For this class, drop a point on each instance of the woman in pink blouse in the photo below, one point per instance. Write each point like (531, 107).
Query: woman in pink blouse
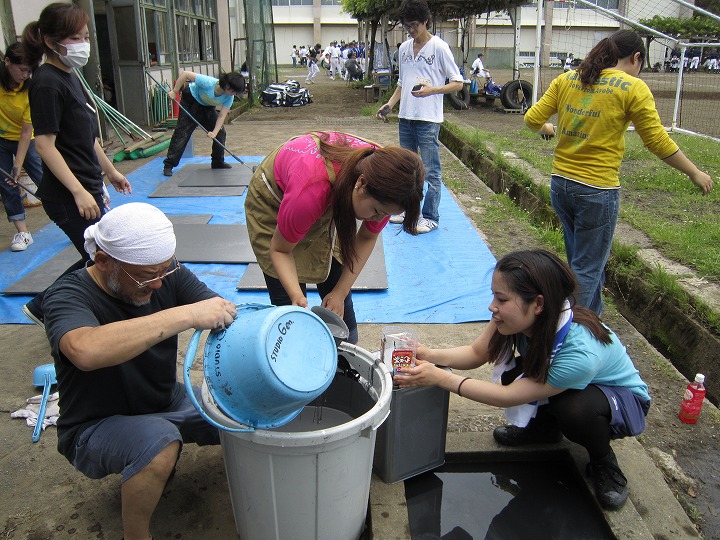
(303, 207)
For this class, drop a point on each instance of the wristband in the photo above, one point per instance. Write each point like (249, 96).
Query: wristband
(460, 385)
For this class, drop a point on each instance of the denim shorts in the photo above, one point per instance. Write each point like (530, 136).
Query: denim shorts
(126, 444)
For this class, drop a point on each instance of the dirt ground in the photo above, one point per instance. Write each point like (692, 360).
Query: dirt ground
(694, 448)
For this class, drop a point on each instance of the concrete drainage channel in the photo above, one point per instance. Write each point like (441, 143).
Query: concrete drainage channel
(690, 346)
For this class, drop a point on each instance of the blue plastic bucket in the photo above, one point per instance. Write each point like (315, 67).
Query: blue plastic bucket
(266, 366)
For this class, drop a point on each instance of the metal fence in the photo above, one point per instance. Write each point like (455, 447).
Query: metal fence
(681, 74)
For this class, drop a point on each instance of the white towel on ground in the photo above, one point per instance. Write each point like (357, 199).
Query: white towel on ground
(30, 413)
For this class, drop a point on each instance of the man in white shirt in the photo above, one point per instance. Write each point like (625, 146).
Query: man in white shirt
(334, 60)
(478, 68)
(426, 61)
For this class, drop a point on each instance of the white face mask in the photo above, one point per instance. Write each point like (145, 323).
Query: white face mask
(77, 54)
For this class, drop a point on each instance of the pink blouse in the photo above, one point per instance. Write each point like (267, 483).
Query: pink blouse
(301, 174)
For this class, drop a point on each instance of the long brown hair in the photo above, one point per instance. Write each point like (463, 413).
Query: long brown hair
(538, 272)
(56, 22)
(393, 175)
(607, 52)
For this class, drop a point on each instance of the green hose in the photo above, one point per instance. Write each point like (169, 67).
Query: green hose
(150, 151)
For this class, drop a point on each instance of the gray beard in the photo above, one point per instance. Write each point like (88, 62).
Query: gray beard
(113, 285)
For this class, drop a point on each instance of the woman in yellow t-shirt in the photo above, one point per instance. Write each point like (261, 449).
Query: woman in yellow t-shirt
(17, 148)
(595, 104)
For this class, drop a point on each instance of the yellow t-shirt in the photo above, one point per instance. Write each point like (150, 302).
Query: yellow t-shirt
(592, 122)
(14, 111)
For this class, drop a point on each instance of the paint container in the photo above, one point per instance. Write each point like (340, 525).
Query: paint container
(412, 439)
(398, 346)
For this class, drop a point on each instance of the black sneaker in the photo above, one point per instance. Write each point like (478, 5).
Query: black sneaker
(167, 171)
(610, 483)
(222, 165)
(516, 436)
(34, 315)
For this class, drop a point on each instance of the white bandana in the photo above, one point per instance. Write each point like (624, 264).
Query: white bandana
(133, 233)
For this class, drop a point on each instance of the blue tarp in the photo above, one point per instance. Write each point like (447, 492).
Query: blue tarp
(440, 277)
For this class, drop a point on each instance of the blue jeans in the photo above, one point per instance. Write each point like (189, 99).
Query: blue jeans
(422, 137)
(206, 116)
(588, 216)
(33, 166)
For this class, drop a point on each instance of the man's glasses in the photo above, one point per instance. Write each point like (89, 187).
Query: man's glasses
(410, 26)
(141, 284)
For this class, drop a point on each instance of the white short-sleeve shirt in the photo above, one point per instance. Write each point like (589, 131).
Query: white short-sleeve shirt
(432, 65)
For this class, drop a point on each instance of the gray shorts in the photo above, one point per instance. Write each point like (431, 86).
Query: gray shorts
(126, 444)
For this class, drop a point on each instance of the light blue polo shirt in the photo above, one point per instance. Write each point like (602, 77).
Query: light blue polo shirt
(203, 90)
(584, 360)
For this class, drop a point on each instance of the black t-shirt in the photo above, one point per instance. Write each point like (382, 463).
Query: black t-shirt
(140, 386)
(58, 106)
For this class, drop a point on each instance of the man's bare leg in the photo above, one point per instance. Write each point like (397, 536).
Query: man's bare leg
(141, 493)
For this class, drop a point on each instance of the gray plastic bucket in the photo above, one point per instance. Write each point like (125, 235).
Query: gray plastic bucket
(310, 479)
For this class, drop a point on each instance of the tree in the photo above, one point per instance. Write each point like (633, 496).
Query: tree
(695, 28)
(458, 9)
(713, 6)
(372, 11)
(699, 28)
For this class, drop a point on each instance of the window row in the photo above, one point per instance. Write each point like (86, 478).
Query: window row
(196, 39)
(202, 8)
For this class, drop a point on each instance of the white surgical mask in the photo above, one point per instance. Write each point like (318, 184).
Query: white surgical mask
(77, 54)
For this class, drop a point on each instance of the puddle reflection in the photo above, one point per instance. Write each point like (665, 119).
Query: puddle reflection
(503, 501)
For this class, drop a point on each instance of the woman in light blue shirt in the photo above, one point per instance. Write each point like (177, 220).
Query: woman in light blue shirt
(571, 375)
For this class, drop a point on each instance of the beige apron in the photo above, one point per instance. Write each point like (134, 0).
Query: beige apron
(313, 254)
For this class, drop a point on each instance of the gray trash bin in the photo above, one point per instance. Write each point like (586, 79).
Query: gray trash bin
(310, 479)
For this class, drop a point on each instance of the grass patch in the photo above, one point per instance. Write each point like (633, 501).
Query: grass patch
(454, 177)
(553, 237)
(665, 368)
(690, 509)
(656, 199)
(664, 204)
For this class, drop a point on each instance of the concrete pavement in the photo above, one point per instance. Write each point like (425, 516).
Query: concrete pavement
(42, 497)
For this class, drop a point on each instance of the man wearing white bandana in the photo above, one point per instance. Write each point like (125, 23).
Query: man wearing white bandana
(572, 376)
(113, 330)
